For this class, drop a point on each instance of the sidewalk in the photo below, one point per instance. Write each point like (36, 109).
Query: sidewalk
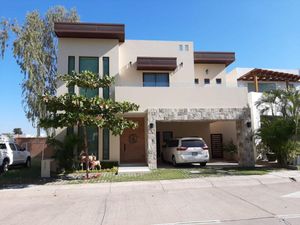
(177, 184)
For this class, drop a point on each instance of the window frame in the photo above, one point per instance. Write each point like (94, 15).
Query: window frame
(206, 79)
(156, 75)
(218, 80)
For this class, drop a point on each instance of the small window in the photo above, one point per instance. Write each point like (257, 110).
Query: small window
(196, 81)
(206, 81)
(2, 146)
(219, 81)
(180, 47)
(13, 147)
(186, 48)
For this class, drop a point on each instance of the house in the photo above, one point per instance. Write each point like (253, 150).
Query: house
(258, 81)
(180, 91)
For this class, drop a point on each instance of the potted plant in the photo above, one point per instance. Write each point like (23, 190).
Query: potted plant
(230, 150)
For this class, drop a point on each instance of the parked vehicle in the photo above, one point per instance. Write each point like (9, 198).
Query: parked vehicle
(186, 150)
(13, 154)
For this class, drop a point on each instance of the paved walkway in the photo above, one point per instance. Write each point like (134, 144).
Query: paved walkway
(267, 199)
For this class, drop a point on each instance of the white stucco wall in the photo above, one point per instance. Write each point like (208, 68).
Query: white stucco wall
(131, 49)
(87, 47)
(214, 71)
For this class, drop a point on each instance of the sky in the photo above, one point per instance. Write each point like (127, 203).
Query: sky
(262, 33)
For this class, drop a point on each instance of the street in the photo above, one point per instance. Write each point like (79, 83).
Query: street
(267, 199)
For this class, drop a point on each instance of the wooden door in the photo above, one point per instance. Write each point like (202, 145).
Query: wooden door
(132, 143)
(216, 145)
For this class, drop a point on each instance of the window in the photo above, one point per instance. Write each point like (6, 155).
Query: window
(71, 69)
(90, 64)
(2, 146)
(156, 80)
(196, 81)
(92, 136)
(180, 47)
(106, 144)
(219, 81)
(106, 73)
(206, 81)
(13, 147)
(262, 87)
(186, 47)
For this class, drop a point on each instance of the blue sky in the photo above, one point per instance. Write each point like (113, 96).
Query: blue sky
(263, 33)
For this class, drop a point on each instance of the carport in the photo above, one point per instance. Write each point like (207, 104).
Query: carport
(215, 133)
(213, 125)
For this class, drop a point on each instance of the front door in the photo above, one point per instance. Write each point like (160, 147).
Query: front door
(216, 146)
(132, 143)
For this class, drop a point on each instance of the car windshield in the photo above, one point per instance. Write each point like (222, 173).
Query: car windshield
(192, 143)
(2, 146)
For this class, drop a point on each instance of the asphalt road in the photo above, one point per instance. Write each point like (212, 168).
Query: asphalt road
(269, 199)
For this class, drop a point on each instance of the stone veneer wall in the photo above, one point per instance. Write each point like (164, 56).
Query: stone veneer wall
(240, 115)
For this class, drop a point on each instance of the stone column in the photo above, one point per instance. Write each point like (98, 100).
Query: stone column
(151, 140)
(245, 144)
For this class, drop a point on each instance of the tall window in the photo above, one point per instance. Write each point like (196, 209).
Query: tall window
(71, 68)
(105, 96)
(156, 80)
(90, 64)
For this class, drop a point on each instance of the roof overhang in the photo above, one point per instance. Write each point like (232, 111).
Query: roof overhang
(90, 30)
(157, 63)
(214, 57)
(269, 75)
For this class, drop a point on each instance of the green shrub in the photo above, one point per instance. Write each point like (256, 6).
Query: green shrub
(64, 151)
(109, 164)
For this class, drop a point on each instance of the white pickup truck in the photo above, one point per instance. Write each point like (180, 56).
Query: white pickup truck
(12, 154)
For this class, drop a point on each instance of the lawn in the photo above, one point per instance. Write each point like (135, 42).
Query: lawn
(25, 176)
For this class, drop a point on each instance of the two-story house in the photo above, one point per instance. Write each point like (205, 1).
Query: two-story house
(180, 91)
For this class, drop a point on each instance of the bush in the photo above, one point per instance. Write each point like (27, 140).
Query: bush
(276, 133)
(64, 151)
(109, 164)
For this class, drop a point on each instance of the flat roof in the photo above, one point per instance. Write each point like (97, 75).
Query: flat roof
(214, 57)
(90, 30)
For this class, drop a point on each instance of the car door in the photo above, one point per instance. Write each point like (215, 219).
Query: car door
(21, 154)
(16, 155)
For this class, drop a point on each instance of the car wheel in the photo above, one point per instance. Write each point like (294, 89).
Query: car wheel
(174, 163)
(203, 164)
(28, 163)
(4, 166)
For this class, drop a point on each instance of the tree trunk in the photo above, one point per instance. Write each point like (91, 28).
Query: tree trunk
(85, 147)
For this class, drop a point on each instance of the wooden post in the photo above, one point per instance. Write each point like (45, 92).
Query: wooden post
(256, 83)
(287, 84)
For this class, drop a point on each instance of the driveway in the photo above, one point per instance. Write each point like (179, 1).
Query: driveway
(268, 199)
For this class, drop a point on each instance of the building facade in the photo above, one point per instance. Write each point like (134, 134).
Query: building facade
(180, 91)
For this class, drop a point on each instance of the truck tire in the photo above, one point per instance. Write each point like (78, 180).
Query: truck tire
(28, 163)
(4, 167)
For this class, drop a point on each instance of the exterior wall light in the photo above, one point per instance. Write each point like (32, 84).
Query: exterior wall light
(151, 125)
(248, 124)
(206, 71)
(181, 64)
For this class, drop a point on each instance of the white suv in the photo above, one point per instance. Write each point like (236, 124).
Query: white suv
(12, 154)
(186, 150)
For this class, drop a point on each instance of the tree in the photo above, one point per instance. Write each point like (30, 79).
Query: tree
(71, 110)
(17, 131)
(35, 50)
(280, 131)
